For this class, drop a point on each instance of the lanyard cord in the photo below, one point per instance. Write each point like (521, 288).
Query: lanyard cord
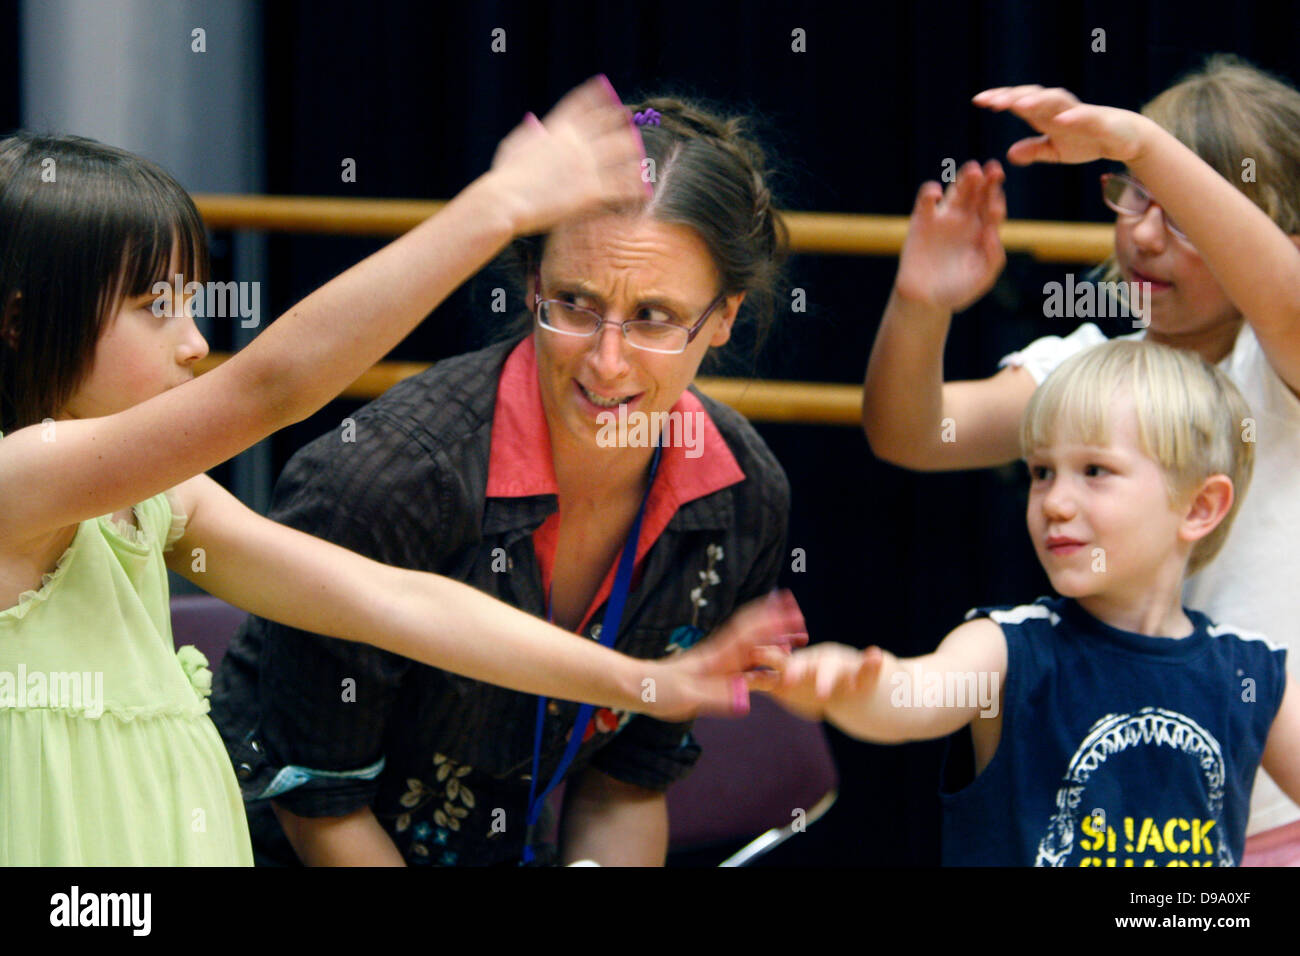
(608, 631)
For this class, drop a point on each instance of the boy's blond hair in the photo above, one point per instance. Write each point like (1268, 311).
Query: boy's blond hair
(1191, 418)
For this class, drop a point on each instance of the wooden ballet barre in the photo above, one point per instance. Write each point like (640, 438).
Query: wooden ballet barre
(820, 233)
(801, 403)
(804, 403)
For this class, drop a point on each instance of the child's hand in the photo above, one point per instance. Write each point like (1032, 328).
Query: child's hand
(586, 154)
(713, 676)
(1072, 132)
(815, 675)
(952, 253)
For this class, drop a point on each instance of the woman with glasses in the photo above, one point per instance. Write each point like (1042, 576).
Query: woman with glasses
(1208, 220)
(497, 468)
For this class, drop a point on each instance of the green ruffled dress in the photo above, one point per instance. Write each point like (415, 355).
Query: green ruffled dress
(107, 755)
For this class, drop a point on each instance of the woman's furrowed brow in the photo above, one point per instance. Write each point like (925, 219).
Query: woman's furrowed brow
(583, 288)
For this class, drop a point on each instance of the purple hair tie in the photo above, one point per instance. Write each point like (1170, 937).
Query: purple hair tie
(646, 118)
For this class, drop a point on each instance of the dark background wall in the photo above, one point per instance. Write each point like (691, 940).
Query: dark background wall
(9, 89)
(413, 92)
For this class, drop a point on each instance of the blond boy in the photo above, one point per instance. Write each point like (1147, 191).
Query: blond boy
(1111, 726)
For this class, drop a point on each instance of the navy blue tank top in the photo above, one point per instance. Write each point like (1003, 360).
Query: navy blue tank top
(1118, 749)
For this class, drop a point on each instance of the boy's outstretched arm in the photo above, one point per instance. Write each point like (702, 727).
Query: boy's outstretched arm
(875, 696)
(950, 259)
(1282, 752)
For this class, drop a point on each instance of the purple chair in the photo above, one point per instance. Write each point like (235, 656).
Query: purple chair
(753, 776)
(207, 622)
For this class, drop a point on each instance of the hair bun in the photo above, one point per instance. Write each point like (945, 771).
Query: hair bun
(709, 174)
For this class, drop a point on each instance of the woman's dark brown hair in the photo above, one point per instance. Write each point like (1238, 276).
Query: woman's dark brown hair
(710, 174)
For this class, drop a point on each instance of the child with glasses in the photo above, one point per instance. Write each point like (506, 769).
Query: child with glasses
(1111, 726)
(1208, 213)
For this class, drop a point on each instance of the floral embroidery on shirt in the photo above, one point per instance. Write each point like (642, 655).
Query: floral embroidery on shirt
(605, 721)
(437, 836)
(708, 578)
(453, 794)
(683, 639)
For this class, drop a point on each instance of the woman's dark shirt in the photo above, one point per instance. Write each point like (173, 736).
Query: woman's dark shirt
(328, 726)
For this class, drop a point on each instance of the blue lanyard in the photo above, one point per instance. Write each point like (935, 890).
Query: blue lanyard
(608, 631)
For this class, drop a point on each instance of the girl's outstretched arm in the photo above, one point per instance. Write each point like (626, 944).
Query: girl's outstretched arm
(1256, 263)
(296, 579)
(585, 156)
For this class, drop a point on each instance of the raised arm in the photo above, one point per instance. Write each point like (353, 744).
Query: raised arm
(913, 418)
(585, 156)
(875, 696)
(1256, 263)
(950, 259)
(302, 581)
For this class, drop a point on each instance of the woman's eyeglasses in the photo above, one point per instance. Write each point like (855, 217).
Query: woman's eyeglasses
(661, 334)
(1126, 195)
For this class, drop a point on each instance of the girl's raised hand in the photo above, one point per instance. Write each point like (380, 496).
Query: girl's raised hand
(1072, 132)
(952, 254)
(816, 674)
(585, 155)
(714, 676)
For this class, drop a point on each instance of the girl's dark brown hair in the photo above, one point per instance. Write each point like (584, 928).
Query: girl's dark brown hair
(83, 226)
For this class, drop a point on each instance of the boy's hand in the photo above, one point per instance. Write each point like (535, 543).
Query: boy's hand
(584, 156)
(814, 676)
(952, 253)
(1072, 132)
(714, 676)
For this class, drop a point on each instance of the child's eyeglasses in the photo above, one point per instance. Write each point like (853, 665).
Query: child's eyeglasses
(1126, 195)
